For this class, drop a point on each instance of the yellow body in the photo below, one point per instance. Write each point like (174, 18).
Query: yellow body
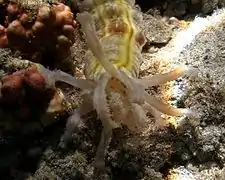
(119, 36)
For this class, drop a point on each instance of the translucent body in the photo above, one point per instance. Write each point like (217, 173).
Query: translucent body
(112, 68)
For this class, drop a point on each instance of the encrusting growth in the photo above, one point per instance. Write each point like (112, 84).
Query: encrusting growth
(38, 29)
(112, 68)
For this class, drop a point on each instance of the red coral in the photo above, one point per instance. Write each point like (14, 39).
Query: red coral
(12, 88)
(15, 85)
(3, 37)
(13, 9)
(34, 79)
(23, 92)
(48, 29)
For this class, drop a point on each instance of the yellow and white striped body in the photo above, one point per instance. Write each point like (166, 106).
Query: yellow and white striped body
(116, 24)
(112, 69)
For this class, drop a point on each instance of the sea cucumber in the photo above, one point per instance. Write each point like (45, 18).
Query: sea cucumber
(112, 66)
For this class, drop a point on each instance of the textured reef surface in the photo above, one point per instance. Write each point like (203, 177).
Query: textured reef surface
(180, 148)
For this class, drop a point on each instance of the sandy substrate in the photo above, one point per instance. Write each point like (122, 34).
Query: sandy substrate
(193, 150)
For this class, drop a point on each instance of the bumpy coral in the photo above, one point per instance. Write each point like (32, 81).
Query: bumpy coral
(38, 29)
(3, 37)
(27, 96)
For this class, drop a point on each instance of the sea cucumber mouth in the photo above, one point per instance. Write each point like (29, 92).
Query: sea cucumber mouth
(116, 85)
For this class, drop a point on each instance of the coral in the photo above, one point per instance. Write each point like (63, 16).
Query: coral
(13, 85)
(25, 95)
(35, 80)
(3, 36)
(11, 89)
(38, 30)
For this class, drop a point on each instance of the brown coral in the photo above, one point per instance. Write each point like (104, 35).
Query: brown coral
(13, 85)
(11, 89)
(26, 97)
(3, 37)
(39, 30)
(21, 89)
(35, 79)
